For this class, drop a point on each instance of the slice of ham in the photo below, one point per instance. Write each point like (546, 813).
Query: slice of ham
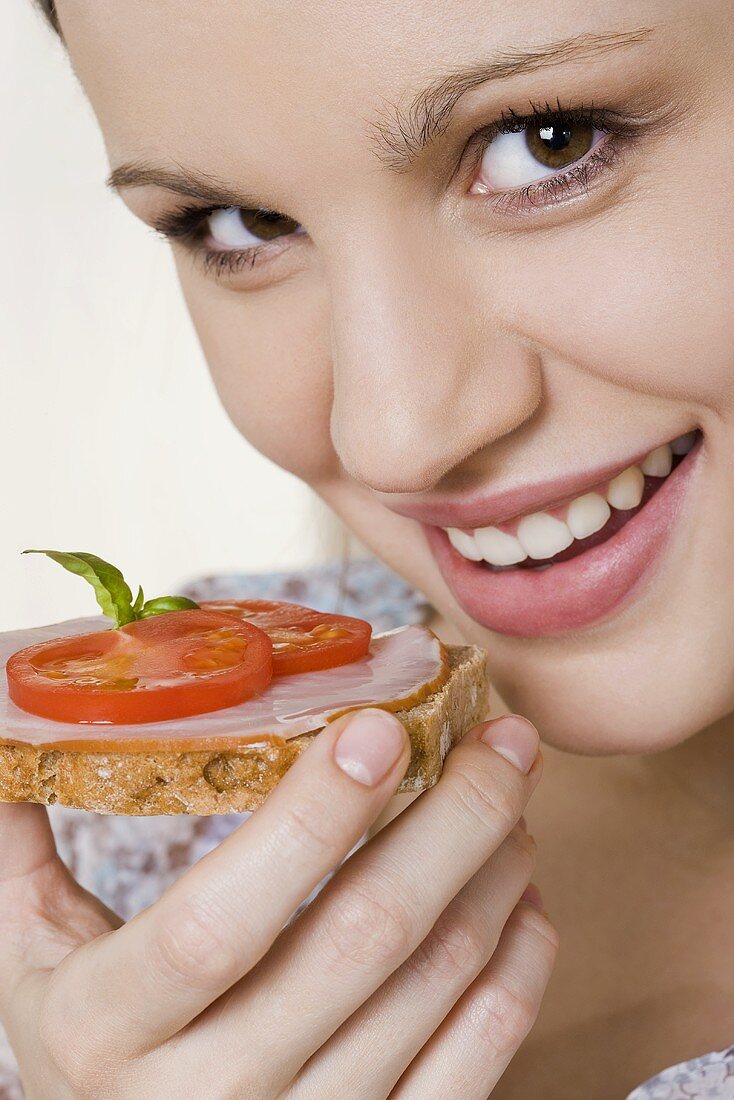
(402, 668)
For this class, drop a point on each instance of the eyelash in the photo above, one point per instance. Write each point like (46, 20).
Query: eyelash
(577, 178)
(187, 225)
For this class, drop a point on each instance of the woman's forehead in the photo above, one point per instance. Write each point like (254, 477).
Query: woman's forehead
(205, 75)
(201, 52)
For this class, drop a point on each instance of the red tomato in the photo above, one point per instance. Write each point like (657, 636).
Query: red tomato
(169, 666)
(303, 640)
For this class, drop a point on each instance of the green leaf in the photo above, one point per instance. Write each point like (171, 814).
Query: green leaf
(113, 594)
(162, 604)
(139, 601)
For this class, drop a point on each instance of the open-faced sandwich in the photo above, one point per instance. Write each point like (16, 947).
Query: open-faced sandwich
(165, 706)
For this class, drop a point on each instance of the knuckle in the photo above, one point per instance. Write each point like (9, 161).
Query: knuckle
(502, 1018)
(453, 949)
(198, 948)
(308, 828)
(486, 798)
(362, 930)
(537, 925)
(523, 853)
(73, 1051)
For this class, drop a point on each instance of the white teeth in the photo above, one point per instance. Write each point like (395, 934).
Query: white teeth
(683, 444)
(498, 547)
(587, 515)
(625, 491)
(542, 535)
(659, 462)
(463, 543)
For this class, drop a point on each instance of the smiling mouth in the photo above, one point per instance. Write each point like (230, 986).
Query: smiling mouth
(577, 561)
(540, 539)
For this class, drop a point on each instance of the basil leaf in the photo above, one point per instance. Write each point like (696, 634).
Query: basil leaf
(111, 590)
(113, 594)
(161, 604)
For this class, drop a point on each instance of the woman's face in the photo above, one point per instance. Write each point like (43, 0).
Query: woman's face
(470, 264)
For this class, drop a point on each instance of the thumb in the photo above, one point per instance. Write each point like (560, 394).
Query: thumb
(27, 853)
(26, 841)
(44, 913)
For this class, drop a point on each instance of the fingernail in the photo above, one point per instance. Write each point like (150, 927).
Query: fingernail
(514, 738)
(533, 896)
(370, 746)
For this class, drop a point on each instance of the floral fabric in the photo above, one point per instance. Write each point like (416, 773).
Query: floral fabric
(708, 1078)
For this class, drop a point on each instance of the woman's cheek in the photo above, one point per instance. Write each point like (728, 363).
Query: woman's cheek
(269, 356)
(639, 296)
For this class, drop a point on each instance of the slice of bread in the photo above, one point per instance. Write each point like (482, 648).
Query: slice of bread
(211, 782)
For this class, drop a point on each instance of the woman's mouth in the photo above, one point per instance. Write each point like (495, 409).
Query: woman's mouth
(576, 560)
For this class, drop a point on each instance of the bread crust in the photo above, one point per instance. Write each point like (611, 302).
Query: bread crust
(211, 782)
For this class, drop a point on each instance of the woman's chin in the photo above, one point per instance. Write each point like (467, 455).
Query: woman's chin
(610, 703)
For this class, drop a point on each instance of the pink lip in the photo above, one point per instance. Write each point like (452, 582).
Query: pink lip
(571, 594)
(484, 510)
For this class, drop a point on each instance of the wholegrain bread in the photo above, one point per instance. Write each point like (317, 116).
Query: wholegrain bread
(212, 782)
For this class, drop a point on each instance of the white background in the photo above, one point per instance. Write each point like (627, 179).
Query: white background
(112, 439)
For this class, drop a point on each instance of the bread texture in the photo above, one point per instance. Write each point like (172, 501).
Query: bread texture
(211, 782)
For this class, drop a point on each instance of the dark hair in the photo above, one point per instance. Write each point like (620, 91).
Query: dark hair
(48, 7)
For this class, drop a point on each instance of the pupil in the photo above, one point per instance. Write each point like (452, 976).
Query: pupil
(555, 137)
(267, 224)
(270, 216)
(557, 144)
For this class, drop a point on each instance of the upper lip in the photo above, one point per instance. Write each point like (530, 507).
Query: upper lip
(483, 508)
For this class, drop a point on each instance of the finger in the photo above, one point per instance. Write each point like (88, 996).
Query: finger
(44, 913)
(403, 1014)
(213, 925)
(468, 1054)
(381, 904)
(26, 840)
(27, 848)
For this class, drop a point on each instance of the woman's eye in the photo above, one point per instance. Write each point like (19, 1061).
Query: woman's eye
(235, 228)
(534, 152)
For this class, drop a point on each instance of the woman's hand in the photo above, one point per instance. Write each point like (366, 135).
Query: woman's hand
(416, 973)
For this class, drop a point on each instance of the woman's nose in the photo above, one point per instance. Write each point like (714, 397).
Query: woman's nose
(425, 373)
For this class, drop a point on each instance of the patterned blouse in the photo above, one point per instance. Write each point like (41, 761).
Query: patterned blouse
(128, 862)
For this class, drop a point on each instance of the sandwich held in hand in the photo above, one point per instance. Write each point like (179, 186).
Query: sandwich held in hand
(157, 665)
(181, 708)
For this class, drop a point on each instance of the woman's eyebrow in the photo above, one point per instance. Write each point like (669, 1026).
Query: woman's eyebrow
(401, 134)
(182, 181)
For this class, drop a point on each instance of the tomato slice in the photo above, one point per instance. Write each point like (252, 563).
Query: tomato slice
(303, 640)
(169, 666)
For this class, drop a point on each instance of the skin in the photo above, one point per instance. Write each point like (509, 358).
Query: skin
(487, 380)
(203, 994)
(415, 341)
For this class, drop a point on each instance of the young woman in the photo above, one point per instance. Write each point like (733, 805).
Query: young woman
(466, 269)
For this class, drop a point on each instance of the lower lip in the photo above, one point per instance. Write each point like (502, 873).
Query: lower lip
(571, 594)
